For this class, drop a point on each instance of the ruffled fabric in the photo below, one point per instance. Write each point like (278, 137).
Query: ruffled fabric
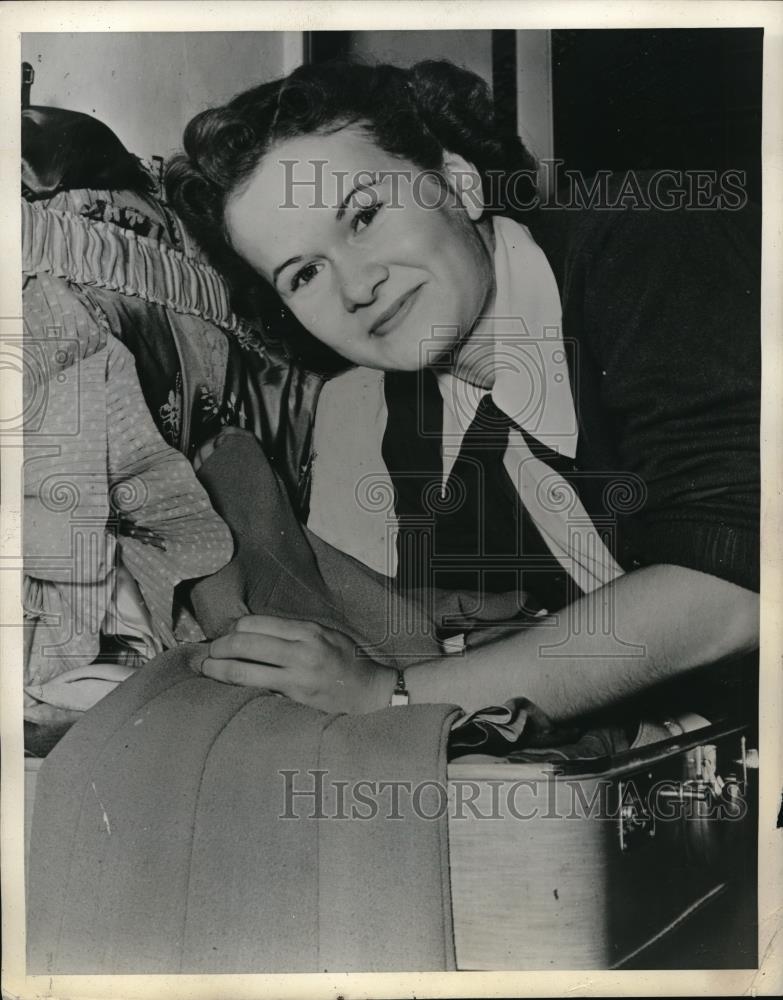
(91, 252)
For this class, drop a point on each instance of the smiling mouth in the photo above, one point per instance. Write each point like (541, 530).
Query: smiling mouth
(394, 315)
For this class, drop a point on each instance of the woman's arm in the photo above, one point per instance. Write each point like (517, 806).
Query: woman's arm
(648, 626)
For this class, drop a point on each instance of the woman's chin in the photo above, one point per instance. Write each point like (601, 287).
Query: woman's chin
(419, 352)
(405, 364)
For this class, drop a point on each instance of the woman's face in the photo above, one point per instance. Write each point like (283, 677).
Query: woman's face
(377, 259)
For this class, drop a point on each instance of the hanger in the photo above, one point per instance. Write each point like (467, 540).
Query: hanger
(28, 76)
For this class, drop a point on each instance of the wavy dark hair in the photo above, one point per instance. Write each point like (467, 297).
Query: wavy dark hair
(414, 113)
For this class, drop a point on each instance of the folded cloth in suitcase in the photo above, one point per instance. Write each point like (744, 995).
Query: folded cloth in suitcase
(518, 725)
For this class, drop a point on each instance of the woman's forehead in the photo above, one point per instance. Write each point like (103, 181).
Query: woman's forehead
(319, 171)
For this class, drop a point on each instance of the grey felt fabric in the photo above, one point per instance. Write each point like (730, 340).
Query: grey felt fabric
(158, 844)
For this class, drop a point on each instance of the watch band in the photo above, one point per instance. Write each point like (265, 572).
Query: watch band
(400, 694)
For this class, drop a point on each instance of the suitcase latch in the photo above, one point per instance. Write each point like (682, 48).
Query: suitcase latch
(700, 795)
(635, 821)
(701, 781)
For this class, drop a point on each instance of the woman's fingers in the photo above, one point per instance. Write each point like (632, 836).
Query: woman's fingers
(245, 674)
(257, 647)
(264, 651)
(292, 629)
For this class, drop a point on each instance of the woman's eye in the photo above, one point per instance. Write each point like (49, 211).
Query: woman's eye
(364, 217)
(303, 276)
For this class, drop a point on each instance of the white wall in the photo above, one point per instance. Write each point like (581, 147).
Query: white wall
(147, 86)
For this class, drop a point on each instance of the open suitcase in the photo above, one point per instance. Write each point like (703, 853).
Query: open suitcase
(642, 860)
(646, 859)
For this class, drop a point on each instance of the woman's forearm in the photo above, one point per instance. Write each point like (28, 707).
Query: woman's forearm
(647, 626)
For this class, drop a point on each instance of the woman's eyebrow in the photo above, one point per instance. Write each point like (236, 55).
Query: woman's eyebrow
(283, 266)
(363, 186)
(357, 187)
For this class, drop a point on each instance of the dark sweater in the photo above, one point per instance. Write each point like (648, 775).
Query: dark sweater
(662, 321)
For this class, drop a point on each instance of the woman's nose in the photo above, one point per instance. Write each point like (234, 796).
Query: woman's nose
(360, 281)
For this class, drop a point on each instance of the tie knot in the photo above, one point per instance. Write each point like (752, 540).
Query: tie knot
(490, 418)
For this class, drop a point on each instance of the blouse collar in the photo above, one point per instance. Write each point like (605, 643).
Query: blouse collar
(522, 330)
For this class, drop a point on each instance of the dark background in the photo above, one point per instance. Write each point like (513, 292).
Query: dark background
(682, 99)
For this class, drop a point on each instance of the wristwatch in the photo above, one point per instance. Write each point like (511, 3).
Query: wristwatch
(400, 694)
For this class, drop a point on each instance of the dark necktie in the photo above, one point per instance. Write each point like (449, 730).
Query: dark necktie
(475, 535)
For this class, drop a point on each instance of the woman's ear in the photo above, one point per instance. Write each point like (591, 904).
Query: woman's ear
(466, 181)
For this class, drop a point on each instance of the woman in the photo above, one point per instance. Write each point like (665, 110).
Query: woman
(376, 203)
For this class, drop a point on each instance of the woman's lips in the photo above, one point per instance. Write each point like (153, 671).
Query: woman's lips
(394, 315)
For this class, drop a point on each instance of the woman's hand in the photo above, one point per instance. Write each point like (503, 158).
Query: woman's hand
(306, 662)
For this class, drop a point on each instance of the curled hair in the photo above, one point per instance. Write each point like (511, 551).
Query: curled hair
(415, 114)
